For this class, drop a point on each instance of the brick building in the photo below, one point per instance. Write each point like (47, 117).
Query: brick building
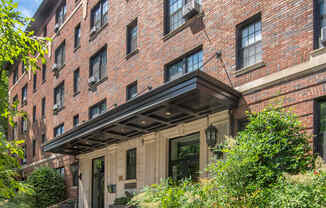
(131, 87)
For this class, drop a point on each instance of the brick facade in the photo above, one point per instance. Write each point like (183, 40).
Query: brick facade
(287, 41)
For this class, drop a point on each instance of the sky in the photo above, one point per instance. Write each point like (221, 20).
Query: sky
(28, 7)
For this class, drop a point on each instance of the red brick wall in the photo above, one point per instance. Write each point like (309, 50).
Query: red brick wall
(287, 38)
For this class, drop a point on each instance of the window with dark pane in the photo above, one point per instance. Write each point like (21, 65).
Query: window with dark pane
(34, 81)
(61, 171)
(132, 36)
(43, 72)
(23, 68)
(320, 140)
(132, 91)
(77, 36)
(174, 18)
(184, 65)
(24, 94)
(97, 109)
(60, 55)
(98, 65)
(45, 31)
(99, 14)
(76, 81)
(59, 130)
(34, 147)
(74, 172)
(59, 95)
(15, 76)
(76, 120)
(184, 157)
(24, 160)
(61, 13)
(43, 138)
(43, 107)
(250, 43)
(320, 21)
(131, 164)
(98, 184)
(34, 113)
(15, 102)
(23, 125)
(242, 124)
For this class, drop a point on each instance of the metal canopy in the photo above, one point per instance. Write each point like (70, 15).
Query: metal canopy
(188, 98)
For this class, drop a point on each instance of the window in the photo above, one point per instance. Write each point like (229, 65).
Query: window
(76, 81)
(131, 90)
(34, 113)
(34, 82)
(23, 125)
(45, 31)
(24, 95)
(249, 42)
(320, 21)
(43, 107)
(98, 187)
(23, 68)
(131, 164)
(43, 72)
(173, 14)
(34, 147)
(14, 131)
(97, 109)
(15, 102)
(43, 138)
(61, 171)
(242, 124)
(15, 76)
(61, 13)
(77, 37)
(98, 65)
(184, 65)
(320, 128)
(76, 120)
(60, 55)
(59, 95)
(58, 131)
(184, 157)
(132, 37)
(24, 160)
(99, 14)
(74, 172)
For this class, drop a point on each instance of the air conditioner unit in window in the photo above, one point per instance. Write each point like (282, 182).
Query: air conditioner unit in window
(323, 36)
(25, 100)
(91, 80)
(56, 27)
(56, 107)
(55, 67)
(190, 9)
(93, 30)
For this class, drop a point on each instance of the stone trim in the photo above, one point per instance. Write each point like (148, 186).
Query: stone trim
(249, 68)
(317, 62)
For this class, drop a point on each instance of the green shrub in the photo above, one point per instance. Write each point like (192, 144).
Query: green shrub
(48, 185)
(257, 171)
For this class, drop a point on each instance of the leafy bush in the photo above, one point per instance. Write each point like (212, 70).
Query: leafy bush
(252, 175)
(19, 201)
(48, 185)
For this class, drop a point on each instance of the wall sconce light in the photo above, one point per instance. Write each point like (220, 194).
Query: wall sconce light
(211, 134)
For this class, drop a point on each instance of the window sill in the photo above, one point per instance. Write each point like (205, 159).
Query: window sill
(93, 36)
(181, 27)
(318, 52)
(93, 86)
(249, 68)
(76, 49)
(57, 71)
(134, 52)
(76, 93)
(131, 181)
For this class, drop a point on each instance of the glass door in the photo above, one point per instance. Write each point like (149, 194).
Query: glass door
(98, 169)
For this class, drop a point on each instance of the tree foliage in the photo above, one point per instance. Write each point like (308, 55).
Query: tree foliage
(269, 164)
(48, 185)
(16, 45)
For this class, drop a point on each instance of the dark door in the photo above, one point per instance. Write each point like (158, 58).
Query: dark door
(98, 183)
